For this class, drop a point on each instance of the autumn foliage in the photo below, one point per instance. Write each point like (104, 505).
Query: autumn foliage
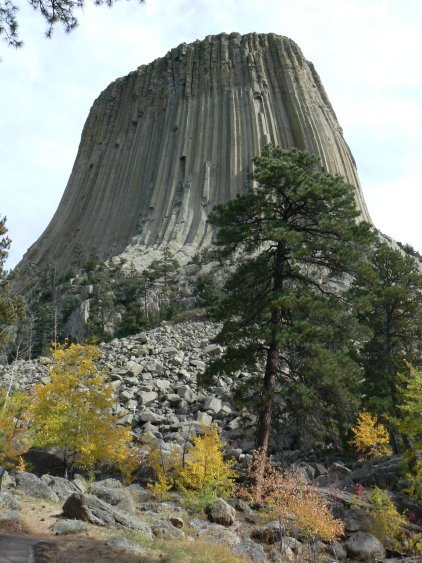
(14, 422)
(370, 438)
(73, 411)
(284, 494)
(203, 471)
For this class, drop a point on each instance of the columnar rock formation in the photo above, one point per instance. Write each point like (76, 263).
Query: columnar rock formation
(166, 143)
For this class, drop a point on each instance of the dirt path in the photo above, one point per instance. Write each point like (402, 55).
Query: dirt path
(16, 549)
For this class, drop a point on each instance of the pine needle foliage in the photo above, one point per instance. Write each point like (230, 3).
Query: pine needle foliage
(388, 303)
(293, 240)
(410, 404)
(73, 411)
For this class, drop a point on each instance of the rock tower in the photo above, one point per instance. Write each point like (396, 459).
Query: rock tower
(166, 143)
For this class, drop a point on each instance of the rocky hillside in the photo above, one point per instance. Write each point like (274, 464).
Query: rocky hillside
(155, 379)
(154, 375)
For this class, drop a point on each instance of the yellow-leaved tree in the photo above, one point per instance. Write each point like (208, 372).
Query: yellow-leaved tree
(73, 412)
(14, 432)
(205, 471)
(201, 472)
(370, 438)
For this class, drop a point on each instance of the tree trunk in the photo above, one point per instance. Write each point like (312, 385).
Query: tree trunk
(271, 367)
(265, 416)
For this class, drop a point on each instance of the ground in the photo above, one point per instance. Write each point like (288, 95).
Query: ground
(38, 518)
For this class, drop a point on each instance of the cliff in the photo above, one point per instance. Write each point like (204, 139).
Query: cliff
(166, 143)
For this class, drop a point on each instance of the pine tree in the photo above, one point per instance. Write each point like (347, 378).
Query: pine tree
(388, 300)
(292, 240)
(11, 307)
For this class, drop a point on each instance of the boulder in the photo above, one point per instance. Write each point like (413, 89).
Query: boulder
(362, 546)
(213, 404)
(220, 512)
(61, 486)
(8, 501)
(166, 531)
(134, 369)
(214, 533)
(91, 509)
(118, 497)
(213, 350)
(250, 550)
(269, 534)
(34, 487)
(359, 520)
(67, 527)
(118, 542)
(147, 397)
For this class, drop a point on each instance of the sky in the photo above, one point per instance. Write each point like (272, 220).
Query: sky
(367, 53)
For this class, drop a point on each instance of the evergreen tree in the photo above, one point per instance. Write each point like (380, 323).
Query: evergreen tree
(292, 240)
(388, 300)
(102, 304)
(11, 307)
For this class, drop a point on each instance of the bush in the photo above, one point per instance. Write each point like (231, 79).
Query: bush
(389, 522)
(283, 494)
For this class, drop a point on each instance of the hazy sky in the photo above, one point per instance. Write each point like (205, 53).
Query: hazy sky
(367, 52)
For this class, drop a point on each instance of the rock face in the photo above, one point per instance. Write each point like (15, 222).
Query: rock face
(166, 143)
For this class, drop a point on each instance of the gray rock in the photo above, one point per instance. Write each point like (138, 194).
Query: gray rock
(162, 384)
(62, 487)
(8, 501)
(126, 395)
(170, 350)
(147, 397)
(165, 530)
(124, 544)
(359, 520)
(198, 364)
(250, 549)
(305, 470)
(34, 487)
(134, 369)
(269, 534)
(220, 512)
(213, 350)
(186, 393)
(213, 404)
(148, 415)
(204, 419)
(91, 509)
(363, 546)
(67, 527)
(118, 497)
(154, 367)
(214, 533)
(8, 517)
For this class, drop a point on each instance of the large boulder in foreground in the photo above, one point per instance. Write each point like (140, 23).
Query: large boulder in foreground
(89, 508)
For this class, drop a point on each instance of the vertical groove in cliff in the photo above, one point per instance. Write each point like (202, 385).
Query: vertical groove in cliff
(172, 139)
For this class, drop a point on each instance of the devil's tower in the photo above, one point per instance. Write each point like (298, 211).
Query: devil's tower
(166, 143)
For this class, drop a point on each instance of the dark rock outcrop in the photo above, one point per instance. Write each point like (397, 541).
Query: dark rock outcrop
(166, 143)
